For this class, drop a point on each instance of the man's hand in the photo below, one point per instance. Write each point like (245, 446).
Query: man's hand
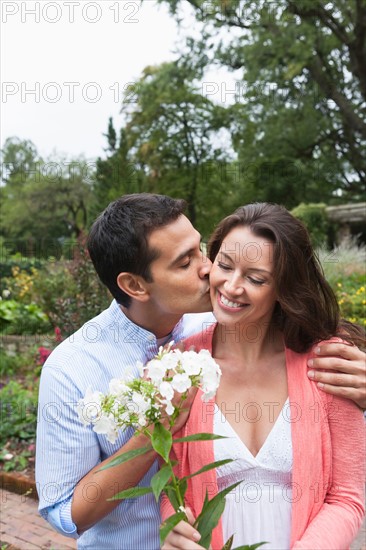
(345, 371)
(183, 536)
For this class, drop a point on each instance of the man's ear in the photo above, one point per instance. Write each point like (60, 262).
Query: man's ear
(133, 285)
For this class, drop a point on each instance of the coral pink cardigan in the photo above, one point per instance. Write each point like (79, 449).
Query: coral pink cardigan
(328, 438)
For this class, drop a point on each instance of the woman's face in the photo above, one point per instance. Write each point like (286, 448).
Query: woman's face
(242, 285)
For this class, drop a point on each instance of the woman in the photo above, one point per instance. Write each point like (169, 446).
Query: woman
(298, 452)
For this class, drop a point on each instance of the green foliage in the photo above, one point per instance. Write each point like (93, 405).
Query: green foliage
(167, 143)
(18, 318)
(297, 115)
(351, 295)
(42, 200)
(345, 270)
(18, 412)
(69, 291)
(315, 219)
(17, 461)
(117, 174)
(10, 261)
(14, 363)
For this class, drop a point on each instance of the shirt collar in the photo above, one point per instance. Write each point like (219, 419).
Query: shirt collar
(134, 334)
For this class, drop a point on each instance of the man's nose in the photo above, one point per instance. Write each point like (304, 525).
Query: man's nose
(205, 267)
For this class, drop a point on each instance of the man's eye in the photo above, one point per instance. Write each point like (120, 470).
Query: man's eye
(185, 266)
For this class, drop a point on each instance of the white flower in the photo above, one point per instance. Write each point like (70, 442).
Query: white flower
(142, 421)
(169, 407)
(133, 401)
(106, 425)
(191, 363)
(8, 456)
(156, 370)
(89, 408)
(170, 360)
(131, 372)
(118, 387)
(210, 375)
(181, 382)
(166, 390)
(138, 403)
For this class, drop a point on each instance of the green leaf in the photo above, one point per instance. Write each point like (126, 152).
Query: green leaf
(133, 492)
(125, 457)
(228, 544)
(170, 492)
(160, 479)
(183, 485)
(210, 466)
(210, 515)
(199, 437)
(161, 440)
(249, 546)
(169, 524)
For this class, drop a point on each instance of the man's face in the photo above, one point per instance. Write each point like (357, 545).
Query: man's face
(180, 273)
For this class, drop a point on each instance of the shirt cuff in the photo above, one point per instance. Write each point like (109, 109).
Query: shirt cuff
(59, 516)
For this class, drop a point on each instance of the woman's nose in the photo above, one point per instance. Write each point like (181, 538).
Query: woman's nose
(234, 286)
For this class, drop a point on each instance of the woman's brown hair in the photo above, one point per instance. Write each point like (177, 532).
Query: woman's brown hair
(307, 310)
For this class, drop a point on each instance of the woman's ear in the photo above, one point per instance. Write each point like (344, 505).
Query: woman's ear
(133, 285)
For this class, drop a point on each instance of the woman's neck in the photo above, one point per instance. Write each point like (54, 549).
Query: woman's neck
(247, 344)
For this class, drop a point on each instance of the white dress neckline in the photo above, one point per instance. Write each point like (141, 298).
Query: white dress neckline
(259, 509)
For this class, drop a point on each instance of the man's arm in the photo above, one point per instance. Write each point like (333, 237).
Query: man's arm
(345, 371)
(106, 483)
(69, 457)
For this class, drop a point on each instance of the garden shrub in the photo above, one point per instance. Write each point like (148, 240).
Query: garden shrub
(18, 318)
(18, 412)
(345, 269)
(315, 219)
(70, 292)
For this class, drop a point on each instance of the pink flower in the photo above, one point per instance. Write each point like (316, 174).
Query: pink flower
(44, 353)
(58, 336)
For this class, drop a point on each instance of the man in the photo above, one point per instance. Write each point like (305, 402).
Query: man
(148, 254)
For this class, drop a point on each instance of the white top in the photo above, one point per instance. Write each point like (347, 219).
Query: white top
(259, 509)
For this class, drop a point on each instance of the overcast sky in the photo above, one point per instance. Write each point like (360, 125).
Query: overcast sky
(64, 66)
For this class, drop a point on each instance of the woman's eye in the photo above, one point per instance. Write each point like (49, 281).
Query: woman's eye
(256, 281)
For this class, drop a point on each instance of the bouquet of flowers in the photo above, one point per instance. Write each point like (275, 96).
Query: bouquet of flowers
(142, 403)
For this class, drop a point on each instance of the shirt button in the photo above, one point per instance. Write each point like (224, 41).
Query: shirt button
(151, 337)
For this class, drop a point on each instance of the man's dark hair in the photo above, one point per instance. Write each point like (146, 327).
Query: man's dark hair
(117, 240)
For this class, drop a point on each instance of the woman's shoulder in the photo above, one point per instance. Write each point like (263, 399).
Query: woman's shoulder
(200, 340)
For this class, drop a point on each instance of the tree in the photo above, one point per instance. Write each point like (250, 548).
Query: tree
(171, 130)
(42, 201)
(301, 91)
(117, 174)
(169, 143)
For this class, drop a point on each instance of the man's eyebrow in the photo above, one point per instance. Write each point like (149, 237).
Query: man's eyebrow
(181, 257)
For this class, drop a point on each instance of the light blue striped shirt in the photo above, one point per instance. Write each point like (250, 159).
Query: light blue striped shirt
(67, 451)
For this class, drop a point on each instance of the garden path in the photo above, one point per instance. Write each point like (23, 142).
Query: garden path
(22, 528)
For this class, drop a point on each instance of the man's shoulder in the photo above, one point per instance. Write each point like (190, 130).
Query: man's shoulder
(196, 322)
(87, 340)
